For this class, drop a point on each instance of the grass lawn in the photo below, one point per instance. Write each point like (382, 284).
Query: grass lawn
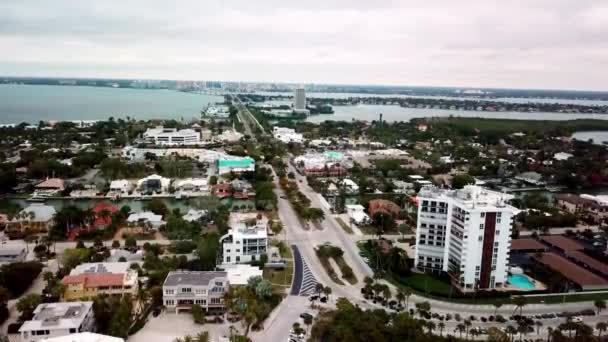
(281, 277)
(425, 284)
(344, 226)
(329, 269)
(347, 272)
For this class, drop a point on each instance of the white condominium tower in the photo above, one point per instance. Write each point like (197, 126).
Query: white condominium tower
(466, 233)
(299, 99)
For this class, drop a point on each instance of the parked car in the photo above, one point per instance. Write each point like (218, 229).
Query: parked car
(577, 319)
(306, 315)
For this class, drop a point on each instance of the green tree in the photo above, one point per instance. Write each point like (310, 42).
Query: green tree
(459, 181)
(122, 318)
(157, 206)
(198, 314)
(26, 305)
(600, 305)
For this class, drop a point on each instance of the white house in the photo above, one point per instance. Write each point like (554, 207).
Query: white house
(182, 289)
(466, 232)
(246, 240)
(156, 221)
(58, 319)
(194, 215)
(561, 156)
(349, 186)
(192, 185)
(171, 136)
(287, 135)
(121, 185)
(356, 214)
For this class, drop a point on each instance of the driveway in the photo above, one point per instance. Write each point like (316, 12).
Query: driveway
(168, 326)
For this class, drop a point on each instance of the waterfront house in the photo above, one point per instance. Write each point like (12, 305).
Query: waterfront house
(91, 279)
(246, 240)
(153, 184)
(146, 219)
(121, 186)
(37, 217)
(182, 289)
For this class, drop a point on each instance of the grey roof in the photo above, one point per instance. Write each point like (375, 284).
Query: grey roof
(11, 249)
(192, 278)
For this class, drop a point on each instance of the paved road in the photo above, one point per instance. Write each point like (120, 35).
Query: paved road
(247, 118)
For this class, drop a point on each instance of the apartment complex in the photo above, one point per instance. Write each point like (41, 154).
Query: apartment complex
(287, 135)
(182, 289)
(91, 279)
(590, 206)
(247, 239)
(58, 319)
(466, 233)
(171, 136)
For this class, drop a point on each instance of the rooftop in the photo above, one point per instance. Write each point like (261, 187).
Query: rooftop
(63, 315)
(527, 244)
(471, 196)
(562, 242)
(584, 278)
(192, 278)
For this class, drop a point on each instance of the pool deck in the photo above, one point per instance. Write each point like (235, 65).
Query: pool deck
(538, 286)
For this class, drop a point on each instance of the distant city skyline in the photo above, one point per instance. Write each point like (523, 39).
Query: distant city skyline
(543, 44)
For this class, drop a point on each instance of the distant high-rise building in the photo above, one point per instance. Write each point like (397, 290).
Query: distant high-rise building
(299, 99)
(466, 233)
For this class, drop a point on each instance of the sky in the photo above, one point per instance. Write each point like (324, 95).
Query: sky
(549, 44)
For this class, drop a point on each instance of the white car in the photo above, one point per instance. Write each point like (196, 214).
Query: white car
(577, 319)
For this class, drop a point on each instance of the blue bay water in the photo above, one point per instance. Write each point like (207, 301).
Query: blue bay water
(32, 103)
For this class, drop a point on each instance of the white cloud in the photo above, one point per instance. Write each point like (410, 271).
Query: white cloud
(520, 43)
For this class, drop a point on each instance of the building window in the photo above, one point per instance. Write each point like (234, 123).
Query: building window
(169, 302)
(483, 214)
(481, 226)
(169, 292)
(497, 232)
(186, 290)
(72, 330)
(481, 238)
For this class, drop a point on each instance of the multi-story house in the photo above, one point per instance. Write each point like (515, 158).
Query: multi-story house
(182, 289)
(246, 240)
(91, 279)
(466, 233)
(171, 136)
(58, 319)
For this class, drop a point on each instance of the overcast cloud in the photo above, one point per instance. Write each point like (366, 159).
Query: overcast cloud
(558, 44)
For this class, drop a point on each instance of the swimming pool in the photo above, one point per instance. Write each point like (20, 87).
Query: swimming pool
(521, 281)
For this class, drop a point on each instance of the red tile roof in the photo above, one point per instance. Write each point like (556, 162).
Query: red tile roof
(584, 278)
(562, 242)
(95, 280)
(527, 244)
(98, 209)
(51, 183)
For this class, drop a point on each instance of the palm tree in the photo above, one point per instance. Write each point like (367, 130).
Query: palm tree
(522, 328)
(511, 331)
(327, 291)
(431, 326)
(467, 324)
(460, 328)
(520, 302)
(187, 338)
(538, 325)
(549, 333)
(497, 304)
(368, 281)
(400, 296)
(600, 305)
(386, 293)
(474, 332)
(407, 292)
(202, 336)
(441, 326)
(601, 327)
